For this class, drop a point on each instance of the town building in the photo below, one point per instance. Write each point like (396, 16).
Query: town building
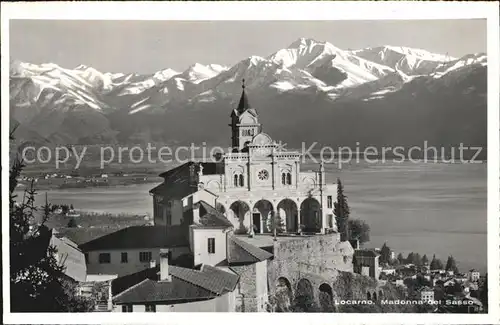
(366, 262)
(254, 184)
(131, 249)
(474, 275)
(426, 294)
(168, 288)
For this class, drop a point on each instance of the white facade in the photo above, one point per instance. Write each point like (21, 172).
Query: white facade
(427, 295)
(199, 242)
(133, 264)
(224, 303)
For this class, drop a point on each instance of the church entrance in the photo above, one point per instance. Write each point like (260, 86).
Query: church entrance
(256, 222)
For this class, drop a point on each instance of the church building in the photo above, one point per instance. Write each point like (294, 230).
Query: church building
(255, 185)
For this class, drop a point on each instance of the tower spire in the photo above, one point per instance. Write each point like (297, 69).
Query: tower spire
(243, 104)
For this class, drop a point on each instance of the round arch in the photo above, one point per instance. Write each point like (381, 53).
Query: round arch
(283, 295)
(288, 212)
(326, 298)
(240, 211)
(304, 296)
(261, 216)
(310, 215)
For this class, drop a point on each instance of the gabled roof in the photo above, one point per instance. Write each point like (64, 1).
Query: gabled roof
(177, 169)
(141, 237)
(83, 235)
(241, 252)
(185, 285)
(210, 217)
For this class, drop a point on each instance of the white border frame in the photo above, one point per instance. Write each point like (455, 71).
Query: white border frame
(266, 11)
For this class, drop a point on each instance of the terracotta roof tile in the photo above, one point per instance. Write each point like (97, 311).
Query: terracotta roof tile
(241, 252)
(141, 237)
(185, 285)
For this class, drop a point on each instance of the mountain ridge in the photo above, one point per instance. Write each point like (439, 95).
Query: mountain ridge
(320, 76)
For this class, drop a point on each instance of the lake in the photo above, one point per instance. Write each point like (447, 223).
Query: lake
(427, 208)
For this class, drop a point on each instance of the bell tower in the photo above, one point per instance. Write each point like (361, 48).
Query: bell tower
(244, 123)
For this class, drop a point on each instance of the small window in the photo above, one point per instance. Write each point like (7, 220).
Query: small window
(329, 202)
(124, 258)
(235, 180)
(127, 308)
(289, 178)
(242, 180)
(145, 257)
(104, 258)
(151, 308)
(283, 178)
(86, 258)
(211, 245)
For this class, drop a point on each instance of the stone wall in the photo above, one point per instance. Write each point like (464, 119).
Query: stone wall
(246, 291)
(318, 258)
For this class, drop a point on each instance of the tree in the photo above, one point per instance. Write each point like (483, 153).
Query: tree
(436, 263)
(417, 260)
(37, 282)
(425, 260)
(451, 264)
(342, 211)
(72, 223)
(385, 254)
(400, 258)
(409, 258)
(359, 230)
(277, 225)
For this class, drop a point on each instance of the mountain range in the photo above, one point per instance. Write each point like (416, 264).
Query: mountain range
(309, 91)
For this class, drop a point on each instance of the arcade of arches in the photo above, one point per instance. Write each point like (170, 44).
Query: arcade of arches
(306, 298)
(259, 216)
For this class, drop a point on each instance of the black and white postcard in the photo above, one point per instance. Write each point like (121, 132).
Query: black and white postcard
(331, 162)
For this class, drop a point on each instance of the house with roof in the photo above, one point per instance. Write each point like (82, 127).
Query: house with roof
(474, 275)
(426, 294)
(366, 262)
(132, 249)
(236, 282)
(169, 288)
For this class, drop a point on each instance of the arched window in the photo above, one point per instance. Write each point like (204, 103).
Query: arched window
(289, 178)
(236, 180)
(242, 180)
(283, 178)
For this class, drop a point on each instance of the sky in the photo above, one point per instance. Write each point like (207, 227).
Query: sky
(148, 46)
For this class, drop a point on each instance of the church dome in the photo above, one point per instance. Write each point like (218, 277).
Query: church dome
(262, 139)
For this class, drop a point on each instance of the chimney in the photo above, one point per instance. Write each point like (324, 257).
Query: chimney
(164, 275)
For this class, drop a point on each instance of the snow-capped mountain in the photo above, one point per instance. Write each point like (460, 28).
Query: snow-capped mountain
(51, 102)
